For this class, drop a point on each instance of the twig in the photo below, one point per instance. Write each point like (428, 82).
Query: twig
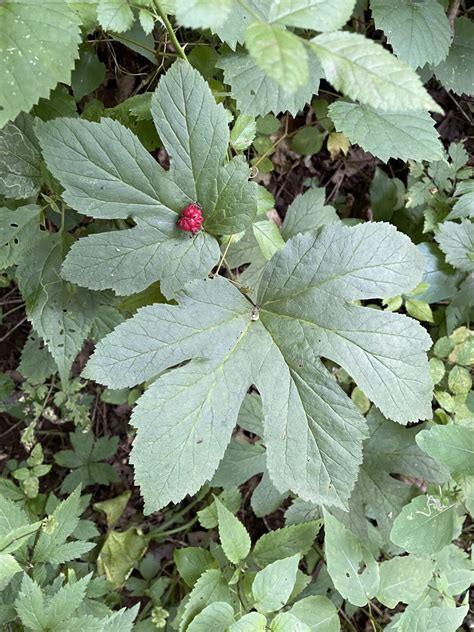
(169, 28)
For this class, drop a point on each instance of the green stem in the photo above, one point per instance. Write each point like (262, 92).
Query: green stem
(158, 534)
(171, 33)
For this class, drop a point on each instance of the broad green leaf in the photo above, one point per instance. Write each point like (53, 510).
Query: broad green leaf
(404, 135)
(257, 94)
(230, 498)
(306, 292)
(210, 587)
(273, 585)
(286, 622)
(115, 15)
(318, 612)
(120, 553)
(307, 141)
(457, 243)
(207, 14)
(241, 461)
(455, 570)
(424, 526)
(351, 566)
(268, 237)
(433, 619)
(61, 314)
(279, 53)
(285, 542)
(403, 579)
(418, 32)
(216, 617)
(391, 450)
(441, 278)
(29, 605)
(366, 72)
(464, 207)
(38, 46)
(20, 175)
(452, 445)
(232, 30)
(9, 567)
(456, 72)
(307, 212)
(266, 498)
(243, 132)
(18, 231)
(192, 561)
(234, 537)
(252, 622)
(317, 15)
(88, 72)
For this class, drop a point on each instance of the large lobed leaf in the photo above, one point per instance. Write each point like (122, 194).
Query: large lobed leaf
(107, 173)
(38, 45)
(304, 310)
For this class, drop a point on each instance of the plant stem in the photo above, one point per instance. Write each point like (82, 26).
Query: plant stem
(171, 33)
(453, 11)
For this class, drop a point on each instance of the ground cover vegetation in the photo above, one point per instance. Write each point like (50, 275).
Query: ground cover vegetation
(236, 292)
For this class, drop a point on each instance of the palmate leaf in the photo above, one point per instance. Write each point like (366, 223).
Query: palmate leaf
(404, 135)
(418, 32)
(38, 45)
(107, 173)
(304, 310)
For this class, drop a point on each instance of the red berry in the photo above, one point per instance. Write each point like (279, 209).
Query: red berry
(190, 219)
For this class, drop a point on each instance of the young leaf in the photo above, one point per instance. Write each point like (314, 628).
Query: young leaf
(403, 579)
(279, 53)
(285, 542)
(452, 445)
(286, 622)
(456, 72)
(215, 617)
(273, 585)
(404, 135)
(29, 605)
(306, 292)
(257, 94)
(307, 212)
(268, 237)
(351, 566)
(234, 537)
(366, 72)
(65, 602)
(61, 315)
(210, 587)
(424, 526)
(318, 612)
(457, 243)
(192, 562)
(418, 32)
(252, 622)
(317, 15)
(115, 15)
(20, 175)
(39, 46)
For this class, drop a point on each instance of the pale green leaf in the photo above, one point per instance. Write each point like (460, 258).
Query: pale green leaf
(307, 212)
(403, 579)
(61, 314)
(351, 566)
(452, 445)
(404, 135)
(241, 461)
(318, 612)
(456, 72)
(268, 237)
(418, 32)
(9, 567)
(424, 526)
(366, 72)
(20, 175)
(266, 498)
(216, 617)
(433, 619)
(66, 601)
(120, 621)
(29, 605)
(279, 53)
(285, 542)
(464, 207)
(286, 622)
(243, 132)
(210, 587)
(207, 14)
(192, 561)
(273, 585)
(38, 46)
(252, 622)
(18, 230)
(257, 94)
(234, 537)
(317, 15)
(115, 15)
(457, 243)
